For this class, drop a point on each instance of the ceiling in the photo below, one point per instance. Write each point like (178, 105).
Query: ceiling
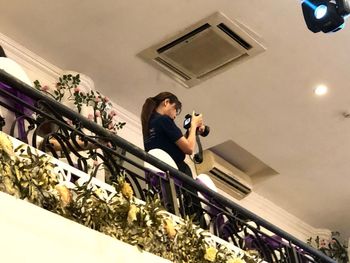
(265, 105)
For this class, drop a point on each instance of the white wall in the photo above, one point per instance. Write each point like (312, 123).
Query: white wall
(282, 218)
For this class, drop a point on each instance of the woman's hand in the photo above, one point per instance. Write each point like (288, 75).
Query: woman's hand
(201, 129)
(187, 144)
(197, 120)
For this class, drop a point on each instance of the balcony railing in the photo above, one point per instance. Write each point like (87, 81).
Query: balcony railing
(56, 129)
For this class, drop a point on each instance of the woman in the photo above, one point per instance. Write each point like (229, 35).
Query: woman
(160, 131)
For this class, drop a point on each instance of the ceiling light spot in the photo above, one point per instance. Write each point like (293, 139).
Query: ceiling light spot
(320, 11)
(321, 90)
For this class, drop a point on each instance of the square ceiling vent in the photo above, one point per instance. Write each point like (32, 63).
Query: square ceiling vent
(203, 50)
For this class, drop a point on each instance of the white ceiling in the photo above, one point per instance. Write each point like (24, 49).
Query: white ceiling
(266, 104)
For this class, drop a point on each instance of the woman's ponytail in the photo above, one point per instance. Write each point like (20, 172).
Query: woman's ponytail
(147, 109)
(150, 106)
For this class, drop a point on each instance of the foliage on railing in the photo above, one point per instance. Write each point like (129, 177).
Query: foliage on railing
(67, 90)
(332, 247)
(91, 104)
(29, 175)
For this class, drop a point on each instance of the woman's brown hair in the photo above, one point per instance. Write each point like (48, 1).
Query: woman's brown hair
(2, 52)
(150, 106)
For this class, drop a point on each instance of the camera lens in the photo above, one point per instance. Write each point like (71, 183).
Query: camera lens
(206, 131)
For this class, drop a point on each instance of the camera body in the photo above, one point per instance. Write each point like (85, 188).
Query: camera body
(187, 125)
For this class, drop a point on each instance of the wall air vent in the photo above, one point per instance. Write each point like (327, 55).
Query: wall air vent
(240, 188)
(205, 49)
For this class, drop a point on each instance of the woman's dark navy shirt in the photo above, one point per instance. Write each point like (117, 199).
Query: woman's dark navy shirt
(163, 133)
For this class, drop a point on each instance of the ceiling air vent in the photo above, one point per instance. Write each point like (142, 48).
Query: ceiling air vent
(203, 50)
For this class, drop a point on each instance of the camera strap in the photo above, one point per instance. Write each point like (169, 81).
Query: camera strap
(198, 157)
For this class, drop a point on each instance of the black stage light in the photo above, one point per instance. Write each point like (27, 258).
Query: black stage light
(325, 15)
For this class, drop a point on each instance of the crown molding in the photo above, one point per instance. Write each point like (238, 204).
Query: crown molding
(27, 58)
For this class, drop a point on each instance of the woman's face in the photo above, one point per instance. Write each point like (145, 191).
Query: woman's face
(171, 109)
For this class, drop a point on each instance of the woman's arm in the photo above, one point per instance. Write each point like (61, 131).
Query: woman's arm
(188, 144)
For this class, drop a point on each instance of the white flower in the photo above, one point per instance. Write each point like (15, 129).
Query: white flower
(101, 193)
(149, 223)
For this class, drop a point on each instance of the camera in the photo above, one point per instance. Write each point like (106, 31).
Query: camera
(187, 125)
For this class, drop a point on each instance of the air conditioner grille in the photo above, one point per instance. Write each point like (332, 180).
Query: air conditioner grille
(203, 50)
(234, 36)
(230, 181)
(222, 66)
(183, 38)
(172, 68)
(206, 51)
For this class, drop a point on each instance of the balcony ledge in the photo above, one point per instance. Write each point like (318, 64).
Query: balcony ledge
(32, 234)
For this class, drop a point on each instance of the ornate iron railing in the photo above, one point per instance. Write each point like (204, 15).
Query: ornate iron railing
(56, 129)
